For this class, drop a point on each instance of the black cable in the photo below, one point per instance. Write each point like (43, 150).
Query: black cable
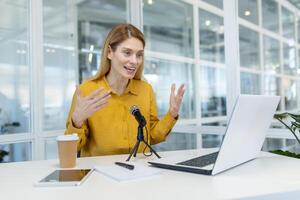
(144, 151)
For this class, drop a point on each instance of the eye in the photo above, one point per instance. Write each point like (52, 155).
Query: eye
(127, 53)
(140, 55)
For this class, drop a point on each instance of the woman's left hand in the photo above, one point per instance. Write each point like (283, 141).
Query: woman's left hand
(175, 100)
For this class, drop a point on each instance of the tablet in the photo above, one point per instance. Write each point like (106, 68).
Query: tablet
(65, 177)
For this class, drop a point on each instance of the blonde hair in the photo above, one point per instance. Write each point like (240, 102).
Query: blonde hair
(116, 36)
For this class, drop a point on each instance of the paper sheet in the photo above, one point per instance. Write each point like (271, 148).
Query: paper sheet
(122, 174)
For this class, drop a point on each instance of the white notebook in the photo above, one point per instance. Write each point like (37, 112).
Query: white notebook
(119, 173)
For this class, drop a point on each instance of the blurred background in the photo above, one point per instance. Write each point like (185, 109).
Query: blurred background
(217, 50)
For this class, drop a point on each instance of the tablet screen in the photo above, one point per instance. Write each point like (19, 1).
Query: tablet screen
(70, 175)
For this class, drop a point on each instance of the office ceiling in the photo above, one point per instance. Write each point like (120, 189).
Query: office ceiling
(15, 13)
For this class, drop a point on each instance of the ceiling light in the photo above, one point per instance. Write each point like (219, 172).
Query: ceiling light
(207, 22)
(247, 13)
(150, 2)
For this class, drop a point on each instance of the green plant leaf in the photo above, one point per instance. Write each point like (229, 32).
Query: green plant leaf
(286, 153)
(296, 117)
(280, 116)
(294, 125)
(297, 124)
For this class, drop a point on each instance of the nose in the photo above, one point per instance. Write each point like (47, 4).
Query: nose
(133, 59)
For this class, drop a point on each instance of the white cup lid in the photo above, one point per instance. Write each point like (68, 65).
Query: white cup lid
(69, 137)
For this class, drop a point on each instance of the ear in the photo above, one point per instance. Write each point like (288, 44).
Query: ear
(109, 53)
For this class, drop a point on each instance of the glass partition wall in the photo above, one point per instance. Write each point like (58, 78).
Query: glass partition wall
(15, 101)
(270, 44)
(185, 43)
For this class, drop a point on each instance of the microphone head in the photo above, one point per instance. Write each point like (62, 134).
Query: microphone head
(133, 109)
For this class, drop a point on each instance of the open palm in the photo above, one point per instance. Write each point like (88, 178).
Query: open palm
(176, 99)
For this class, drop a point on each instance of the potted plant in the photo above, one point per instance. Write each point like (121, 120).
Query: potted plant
(292, 123)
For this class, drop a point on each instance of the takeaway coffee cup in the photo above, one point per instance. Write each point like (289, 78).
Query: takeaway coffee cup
(67, 150)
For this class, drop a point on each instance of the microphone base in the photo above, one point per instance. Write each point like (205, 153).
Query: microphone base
(140, 138)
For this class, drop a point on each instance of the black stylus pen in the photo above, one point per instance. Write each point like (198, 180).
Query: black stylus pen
(127, 166)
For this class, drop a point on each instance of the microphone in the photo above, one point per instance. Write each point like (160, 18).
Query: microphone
(135, 111)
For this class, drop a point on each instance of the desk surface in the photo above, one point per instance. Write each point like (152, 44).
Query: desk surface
(267, 175)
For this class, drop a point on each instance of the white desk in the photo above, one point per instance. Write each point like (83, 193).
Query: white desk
(267, 177)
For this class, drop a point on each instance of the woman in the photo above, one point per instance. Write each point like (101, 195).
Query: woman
(100, 108)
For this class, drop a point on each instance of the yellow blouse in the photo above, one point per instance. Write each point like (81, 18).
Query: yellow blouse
(113, 129)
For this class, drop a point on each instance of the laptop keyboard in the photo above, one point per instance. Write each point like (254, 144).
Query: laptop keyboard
(201, 161)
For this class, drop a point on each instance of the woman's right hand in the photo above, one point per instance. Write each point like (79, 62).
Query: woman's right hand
(86, 106)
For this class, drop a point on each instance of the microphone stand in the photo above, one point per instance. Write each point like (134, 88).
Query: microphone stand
(140, 138)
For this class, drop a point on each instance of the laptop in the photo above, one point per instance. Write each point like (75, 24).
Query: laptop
(242, 142)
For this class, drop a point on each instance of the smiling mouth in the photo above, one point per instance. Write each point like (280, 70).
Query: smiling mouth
(130, 69)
